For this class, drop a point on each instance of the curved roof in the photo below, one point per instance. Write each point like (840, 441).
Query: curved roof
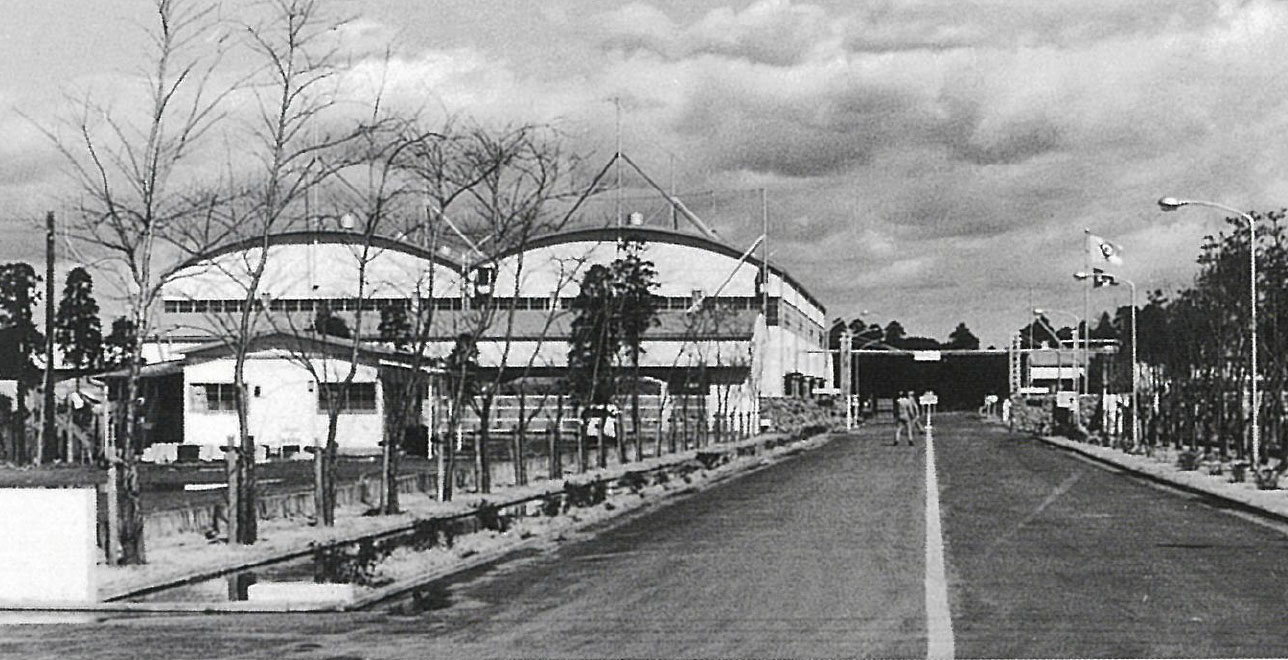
(653, 235)
(597, 235)
(304, 237)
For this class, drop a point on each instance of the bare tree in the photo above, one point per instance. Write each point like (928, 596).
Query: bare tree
(510, 206)
(496, 187)
(293, 93)
(138, 197)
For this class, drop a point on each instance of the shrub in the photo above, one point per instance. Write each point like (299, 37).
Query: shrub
(351, 564)
(1267, 478)
(635, 481)
(1188, 460)
(585, 495)
(490, 517)
(552, 505)
(710, 459)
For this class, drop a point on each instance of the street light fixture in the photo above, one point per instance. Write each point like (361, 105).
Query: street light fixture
(1172, 204)
(1111, 280)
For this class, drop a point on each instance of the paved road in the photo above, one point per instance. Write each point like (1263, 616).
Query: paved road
(822, 555)
(1053, 556)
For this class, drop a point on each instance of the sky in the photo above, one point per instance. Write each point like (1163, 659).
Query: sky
(927, 161)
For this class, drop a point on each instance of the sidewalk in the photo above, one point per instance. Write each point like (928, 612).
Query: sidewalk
(1162, 468)
(190, 557)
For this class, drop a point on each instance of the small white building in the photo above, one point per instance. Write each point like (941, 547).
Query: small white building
(291, 383)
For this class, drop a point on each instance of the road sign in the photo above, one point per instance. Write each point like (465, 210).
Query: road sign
(929, 399)
(925, 356)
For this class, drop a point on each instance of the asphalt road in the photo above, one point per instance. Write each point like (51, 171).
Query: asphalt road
(822, 555)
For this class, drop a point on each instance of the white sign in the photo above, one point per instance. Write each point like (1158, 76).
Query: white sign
(929, 399)
(47, 544)
(1065, 399)
(925, 356)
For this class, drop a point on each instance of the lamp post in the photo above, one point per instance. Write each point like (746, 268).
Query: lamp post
(1171, 204)
(1112, 280)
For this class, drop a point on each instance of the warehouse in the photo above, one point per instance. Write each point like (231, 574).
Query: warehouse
(723, 335)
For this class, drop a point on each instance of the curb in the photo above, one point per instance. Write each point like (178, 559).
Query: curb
(1234, 503)
(116, 604)
(409, 584)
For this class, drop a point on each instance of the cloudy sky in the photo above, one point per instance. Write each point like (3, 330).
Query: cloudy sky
(931, 161)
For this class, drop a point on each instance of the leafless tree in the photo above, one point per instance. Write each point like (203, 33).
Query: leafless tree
(295, 148)
(140, 198)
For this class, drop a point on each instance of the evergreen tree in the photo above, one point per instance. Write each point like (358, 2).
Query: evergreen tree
(634, 278)
(77, 329)
(594, 339)
(118, 346)
(395, 326)
(326, 323)
(963, 338)
(18, 294)
(894, 334)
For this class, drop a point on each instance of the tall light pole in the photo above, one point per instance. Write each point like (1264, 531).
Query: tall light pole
(1171, 204)
(1112, 280)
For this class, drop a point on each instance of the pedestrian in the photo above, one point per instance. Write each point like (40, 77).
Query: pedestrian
(917, 411)
(906, 414)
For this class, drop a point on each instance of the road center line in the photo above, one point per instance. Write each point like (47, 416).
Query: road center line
(939, 621)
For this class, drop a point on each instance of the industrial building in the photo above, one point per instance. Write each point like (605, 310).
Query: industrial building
(731, 329)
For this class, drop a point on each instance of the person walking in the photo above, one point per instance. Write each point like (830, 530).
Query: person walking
(906, 414)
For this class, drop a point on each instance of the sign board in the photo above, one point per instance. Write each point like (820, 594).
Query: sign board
(827, 390)
(925, 356)
(1066, 400)
(49, 548)
(929, 399)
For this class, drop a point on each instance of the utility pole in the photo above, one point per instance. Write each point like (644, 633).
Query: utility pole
(49, 438)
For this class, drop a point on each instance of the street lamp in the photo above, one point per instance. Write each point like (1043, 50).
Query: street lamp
(1171, 204)
(1111, 280)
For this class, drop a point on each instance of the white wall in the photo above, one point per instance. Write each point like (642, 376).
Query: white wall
(285, 412)
(48, 552)
(323, 270)
(680, 269)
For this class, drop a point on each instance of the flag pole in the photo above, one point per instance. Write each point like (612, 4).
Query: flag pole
(1086, 323)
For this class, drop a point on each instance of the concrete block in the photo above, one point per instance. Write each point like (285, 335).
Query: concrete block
(300, 592)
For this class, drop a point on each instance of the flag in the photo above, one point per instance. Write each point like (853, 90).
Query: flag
(1100, 278)
(1109, 251)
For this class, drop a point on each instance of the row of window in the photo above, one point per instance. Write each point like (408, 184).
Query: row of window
(674, 303)
(282, 305)
(221, 397)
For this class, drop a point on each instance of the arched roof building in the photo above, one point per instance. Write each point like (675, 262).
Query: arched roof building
(738, 321)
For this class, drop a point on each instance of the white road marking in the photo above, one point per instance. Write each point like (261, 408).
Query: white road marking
(939, 620)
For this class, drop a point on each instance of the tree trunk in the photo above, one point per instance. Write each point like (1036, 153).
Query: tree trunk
(133, 550)
(20, 420)
(519, 477)
(481, 468)
(554, 444)
(581, 444)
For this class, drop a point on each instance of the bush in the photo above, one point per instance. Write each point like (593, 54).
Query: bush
(1188, 460)
(710, 459)
(352, 564)
(552, 505)
(1267, 478)
(585, 495)
(635, 481)
(489, 517)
